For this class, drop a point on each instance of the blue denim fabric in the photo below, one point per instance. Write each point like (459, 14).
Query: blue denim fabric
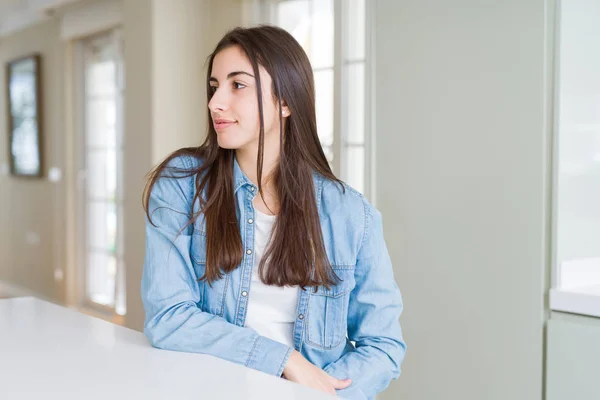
(350, 330)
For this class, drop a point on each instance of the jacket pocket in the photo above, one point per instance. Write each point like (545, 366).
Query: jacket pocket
(326, 319)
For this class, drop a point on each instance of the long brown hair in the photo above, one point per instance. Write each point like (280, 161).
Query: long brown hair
(296, 254)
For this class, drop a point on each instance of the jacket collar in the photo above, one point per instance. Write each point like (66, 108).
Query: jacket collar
(241, 180)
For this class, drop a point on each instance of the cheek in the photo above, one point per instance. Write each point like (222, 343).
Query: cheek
(271, 115)
(247, 111)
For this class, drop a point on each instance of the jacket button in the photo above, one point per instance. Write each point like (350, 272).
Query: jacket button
(300, 316)
(252, 188)
(250, 221)
(248, 251)
(244, 293)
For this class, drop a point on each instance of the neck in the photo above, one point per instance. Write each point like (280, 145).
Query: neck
(247, 160)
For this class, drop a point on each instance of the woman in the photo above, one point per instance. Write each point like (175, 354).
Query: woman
(256, 253)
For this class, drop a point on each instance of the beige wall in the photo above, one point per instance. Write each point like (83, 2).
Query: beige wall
(31, 209)
(165, 104)
(178, 74)
(137, 29)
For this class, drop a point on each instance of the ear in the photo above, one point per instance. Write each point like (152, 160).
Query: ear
(285, 110)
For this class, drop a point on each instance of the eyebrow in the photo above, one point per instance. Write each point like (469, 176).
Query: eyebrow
(231, 75)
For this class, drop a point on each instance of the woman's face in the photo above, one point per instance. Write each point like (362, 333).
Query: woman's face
(234, 105)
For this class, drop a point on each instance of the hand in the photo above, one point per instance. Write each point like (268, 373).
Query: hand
(298, 369)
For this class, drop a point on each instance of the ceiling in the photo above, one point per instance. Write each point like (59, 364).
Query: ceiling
(19, 14)
(7, 7)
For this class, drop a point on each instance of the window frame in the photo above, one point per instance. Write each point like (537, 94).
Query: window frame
(83, 248)
(265, 11)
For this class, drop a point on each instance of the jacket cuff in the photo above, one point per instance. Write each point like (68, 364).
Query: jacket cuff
(269, 356)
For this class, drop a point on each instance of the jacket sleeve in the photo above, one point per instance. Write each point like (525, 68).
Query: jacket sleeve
(170, 291)
(373, 319)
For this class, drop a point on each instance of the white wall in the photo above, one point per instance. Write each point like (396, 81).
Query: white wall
(462, 159)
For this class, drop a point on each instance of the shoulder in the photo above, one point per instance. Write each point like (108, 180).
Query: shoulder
(347, 215)
(182, 164)
(175, 177)
(343, 206)
(334, 195)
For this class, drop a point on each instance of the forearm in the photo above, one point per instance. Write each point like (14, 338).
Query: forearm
(184, 327)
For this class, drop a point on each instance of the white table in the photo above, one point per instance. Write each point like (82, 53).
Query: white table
(51, 352)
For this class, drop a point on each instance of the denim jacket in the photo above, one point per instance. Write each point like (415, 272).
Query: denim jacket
(350, 330)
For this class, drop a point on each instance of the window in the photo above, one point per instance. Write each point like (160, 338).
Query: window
(353, 92)
(101, 196)
(577, 158)
(334, 35)
(312, 24)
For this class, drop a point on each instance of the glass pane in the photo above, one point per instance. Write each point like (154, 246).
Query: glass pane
(322, 27)
(103, 140)
(101, 119)
(578, 190)
(324, 105)
(294, 17)
(101, 68)
(355, 78)
(328, 150)
(101, 273)
(355, 165)
(102, 174)
(355, 29)
(102, 226)
(101, 78)
(121, 306)
(312, 24)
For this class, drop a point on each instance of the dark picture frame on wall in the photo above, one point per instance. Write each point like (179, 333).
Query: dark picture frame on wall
(24, 111)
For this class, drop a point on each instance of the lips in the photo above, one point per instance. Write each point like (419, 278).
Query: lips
(221, 124)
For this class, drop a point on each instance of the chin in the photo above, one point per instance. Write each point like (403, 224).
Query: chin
(229, 144)
(232, 142)
(226, 146)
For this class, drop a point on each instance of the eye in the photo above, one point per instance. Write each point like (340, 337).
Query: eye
(213, 89)
(238, 85)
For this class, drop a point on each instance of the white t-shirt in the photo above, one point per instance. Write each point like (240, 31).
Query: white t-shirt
(271, 309)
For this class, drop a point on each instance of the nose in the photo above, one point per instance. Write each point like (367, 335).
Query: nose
(218, 101)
